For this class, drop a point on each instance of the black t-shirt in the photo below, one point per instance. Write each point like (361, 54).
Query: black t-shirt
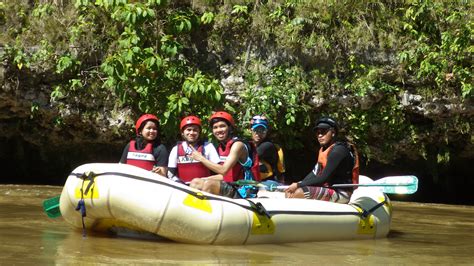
(267, 152)
(338, 169)
(159, 152)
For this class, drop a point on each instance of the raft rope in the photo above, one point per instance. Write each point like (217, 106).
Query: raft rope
(255, 207)
(81, 205)
(366, 213)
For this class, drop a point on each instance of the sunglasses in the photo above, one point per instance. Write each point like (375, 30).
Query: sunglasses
(260, 130)
(322, 131)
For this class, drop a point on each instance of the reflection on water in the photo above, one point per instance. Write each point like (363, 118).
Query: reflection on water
(421, 233)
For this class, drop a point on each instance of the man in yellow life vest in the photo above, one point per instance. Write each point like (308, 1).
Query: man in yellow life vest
(271, 160)
(337, 163)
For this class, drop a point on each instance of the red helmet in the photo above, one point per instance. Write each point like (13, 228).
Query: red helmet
(190, 120)
(143, 119)
(222, 115)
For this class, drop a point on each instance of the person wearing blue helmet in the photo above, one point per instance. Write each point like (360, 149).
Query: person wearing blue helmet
(271, 164)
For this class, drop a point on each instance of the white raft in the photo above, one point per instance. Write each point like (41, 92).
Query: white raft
(123, 196)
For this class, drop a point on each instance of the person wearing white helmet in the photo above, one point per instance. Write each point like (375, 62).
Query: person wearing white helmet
(337, 163)
(181, 166)
(145, 150)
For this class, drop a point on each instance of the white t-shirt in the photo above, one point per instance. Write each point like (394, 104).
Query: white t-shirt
(210, 153)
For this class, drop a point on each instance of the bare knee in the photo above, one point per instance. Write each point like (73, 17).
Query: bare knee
(197, 183)
(211, 186)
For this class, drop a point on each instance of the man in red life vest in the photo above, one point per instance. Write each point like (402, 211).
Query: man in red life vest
(235, 163)
(337, 164)
(146, 150)
(181, 166)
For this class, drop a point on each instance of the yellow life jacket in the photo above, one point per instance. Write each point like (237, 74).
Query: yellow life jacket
(280, 166)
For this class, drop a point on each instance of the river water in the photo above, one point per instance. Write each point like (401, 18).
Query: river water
(420, 234)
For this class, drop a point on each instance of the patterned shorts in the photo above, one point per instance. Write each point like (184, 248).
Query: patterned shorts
(227, 190)
(327, 194)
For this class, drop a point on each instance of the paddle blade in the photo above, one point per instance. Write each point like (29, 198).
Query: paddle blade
(51, 207)
(407, 184)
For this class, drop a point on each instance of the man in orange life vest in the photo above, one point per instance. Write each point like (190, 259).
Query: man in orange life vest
(146, 150)
(181, 167)
(235, 163)
(337, 164)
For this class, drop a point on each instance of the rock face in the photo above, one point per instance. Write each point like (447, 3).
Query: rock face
(41, 144)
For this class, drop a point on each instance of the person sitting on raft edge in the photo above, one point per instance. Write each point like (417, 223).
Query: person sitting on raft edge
(338, 163)
(145, 150)
(238, 161)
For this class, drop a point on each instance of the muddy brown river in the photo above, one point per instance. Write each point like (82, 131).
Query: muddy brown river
(420, 234)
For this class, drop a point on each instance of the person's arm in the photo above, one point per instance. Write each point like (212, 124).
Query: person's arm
(211, 153)
(335, 158)
(173, 157)
(267, 152)
(236, 151)
(123, 159)
(161, 160)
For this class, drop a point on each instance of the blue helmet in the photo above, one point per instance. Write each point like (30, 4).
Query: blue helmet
(259, 121)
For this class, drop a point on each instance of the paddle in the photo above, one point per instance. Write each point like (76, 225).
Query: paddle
(51, 207)
(407, 184)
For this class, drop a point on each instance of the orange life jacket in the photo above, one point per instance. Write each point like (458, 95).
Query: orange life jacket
(323, 159)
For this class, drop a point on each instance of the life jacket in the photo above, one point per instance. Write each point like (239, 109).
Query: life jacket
(237, 172)
(274, 170)
(141, 158)
(323, 159)
(189, 168)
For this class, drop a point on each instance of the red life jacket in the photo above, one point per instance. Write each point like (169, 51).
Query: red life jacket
(189, 168)
(237, 172)
(141, 158)
(323, 159)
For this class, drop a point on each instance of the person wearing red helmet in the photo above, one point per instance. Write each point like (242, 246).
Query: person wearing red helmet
(237, 160)
(337, 163)
(181, 166)
(146, 150)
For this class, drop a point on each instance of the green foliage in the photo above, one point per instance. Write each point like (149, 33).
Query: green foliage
(440, 52)
(279, 95)
(34, 109)
(207, 18)
(299, 60)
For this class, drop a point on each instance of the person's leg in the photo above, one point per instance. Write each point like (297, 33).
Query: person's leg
(326, 194)
(212, 186)
(197, 183)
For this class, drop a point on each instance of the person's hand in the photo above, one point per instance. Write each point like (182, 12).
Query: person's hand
(196, 155)
(290, 190)
(159, 170)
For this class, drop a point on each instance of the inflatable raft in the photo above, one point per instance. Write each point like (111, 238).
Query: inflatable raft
(109, 197)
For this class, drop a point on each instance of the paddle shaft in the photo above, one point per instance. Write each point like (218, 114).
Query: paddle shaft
(358, 185)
